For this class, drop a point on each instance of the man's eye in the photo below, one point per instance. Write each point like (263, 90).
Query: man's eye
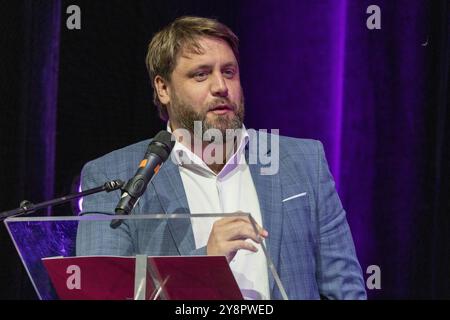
(199, 76)
(229, 73)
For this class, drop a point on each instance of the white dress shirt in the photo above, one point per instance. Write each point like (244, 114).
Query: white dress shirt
(231, 190)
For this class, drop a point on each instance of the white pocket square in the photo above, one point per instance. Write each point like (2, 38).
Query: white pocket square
(295, 196)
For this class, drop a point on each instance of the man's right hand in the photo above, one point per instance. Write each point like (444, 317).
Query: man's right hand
(228, 235)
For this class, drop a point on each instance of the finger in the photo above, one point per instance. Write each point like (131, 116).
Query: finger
(261, 231)
(229, 220)
(237, 222)
(236, 245)
(241, 232)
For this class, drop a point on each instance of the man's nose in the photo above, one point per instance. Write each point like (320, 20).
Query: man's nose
(219, 86)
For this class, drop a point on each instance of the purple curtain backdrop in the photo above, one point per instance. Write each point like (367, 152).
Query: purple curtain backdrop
(40, 69)
(29, 69)
(314, 70)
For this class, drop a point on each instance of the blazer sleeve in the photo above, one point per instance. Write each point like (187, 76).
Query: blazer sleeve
(339, 272)
(97, 237)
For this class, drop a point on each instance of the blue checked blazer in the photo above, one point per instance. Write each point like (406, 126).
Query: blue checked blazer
(309, 241)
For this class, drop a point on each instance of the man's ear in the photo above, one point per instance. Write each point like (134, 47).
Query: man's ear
(162, 90)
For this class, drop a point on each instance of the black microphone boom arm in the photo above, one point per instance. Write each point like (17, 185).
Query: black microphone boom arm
(26, 207)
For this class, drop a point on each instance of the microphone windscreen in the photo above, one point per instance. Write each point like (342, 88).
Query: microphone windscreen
(162, 144)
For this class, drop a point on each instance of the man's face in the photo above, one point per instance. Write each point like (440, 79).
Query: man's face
(206, 87)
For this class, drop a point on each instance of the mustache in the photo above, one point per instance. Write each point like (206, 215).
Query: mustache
(222, 103)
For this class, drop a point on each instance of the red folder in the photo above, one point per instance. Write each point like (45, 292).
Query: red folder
(112, 278)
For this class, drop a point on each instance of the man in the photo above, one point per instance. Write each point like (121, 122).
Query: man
(194, 67)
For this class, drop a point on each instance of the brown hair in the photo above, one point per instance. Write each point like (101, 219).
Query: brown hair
(166, 45)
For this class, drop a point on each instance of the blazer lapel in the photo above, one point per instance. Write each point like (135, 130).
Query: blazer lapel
(170, 193)
(268, 188)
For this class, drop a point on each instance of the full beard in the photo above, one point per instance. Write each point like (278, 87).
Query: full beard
(185, 116)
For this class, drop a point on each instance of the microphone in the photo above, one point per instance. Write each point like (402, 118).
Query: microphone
(158, 151)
